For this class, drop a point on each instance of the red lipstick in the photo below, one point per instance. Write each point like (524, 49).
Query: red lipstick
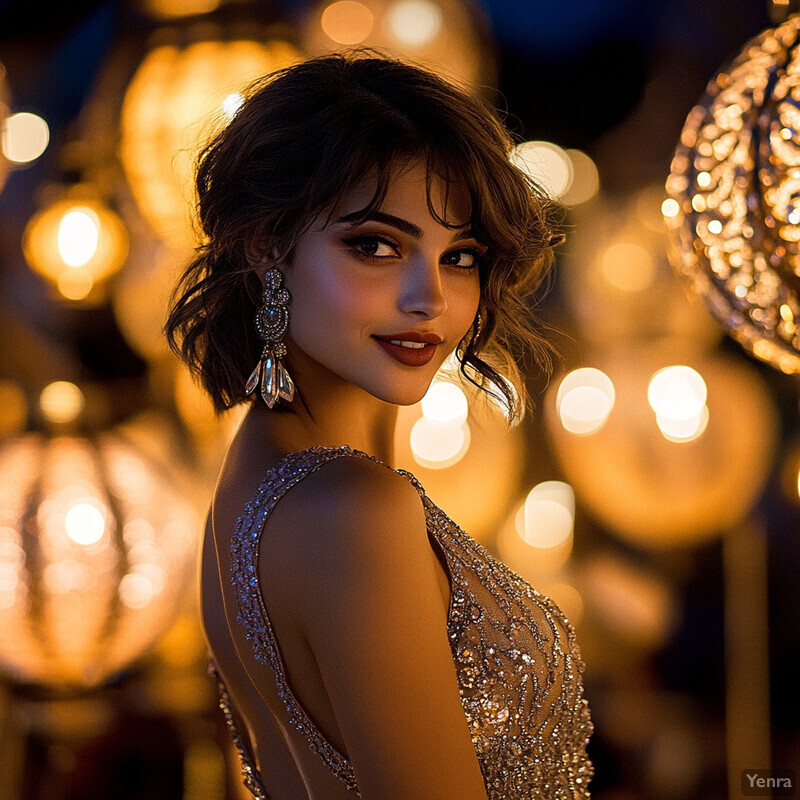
(412, 348)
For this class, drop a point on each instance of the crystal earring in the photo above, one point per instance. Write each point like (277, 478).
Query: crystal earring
(272, 321)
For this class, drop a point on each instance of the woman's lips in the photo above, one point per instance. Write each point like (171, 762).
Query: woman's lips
(410, 347)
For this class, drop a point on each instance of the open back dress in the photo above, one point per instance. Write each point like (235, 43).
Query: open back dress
(517, 663)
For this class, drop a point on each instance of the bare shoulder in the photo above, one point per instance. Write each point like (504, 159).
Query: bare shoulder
(352, 513)
(352, 488)
(360, 576)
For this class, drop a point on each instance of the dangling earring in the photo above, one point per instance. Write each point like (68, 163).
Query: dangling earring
(272, 321)
(478, 324)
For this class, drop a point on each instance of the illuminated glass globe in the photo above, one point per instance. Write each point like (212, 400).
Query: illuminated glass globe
(97, 555)
(734, 197)
(77, 243)
(185, 90)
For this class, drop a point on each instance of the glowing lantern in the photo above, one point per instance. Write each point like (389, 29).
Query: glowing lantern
(735, 197)
(664, 490)
(179, 96)
(77, 243)
(97, 551)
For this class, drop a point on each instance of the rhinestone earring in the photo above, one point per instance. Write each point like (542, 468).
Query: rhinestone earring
(272, 321)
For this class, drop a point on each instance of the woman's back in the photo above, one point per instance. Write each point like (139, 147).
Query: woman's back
(517, 712)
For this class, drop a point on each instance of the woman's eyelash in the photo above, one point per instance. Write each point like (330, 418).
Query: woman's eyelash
(357, 242)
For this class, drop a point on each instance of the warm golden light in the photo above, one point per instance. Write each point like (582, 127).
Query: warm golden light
(415, 23)
(585, 179)
(628, 267)
(13, 408)
(75, 284)
(171, 9)
(670, 208)
(584, 400)
(78, 236)
(628, 600)
(178, 98)
(85, 524)
(546, 163)
(347, 22)
(548, 515)
(91, 532)
(25, 137)
(135, 590)
(61, 402)
(445, 402)
(628, 473)
(75, 244)
(683, 430)
(677, 393)
(438, 444)
(734, 222)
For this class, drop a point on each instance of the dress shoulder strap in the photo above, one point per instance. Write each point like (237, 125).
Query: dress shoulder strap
(252, 611)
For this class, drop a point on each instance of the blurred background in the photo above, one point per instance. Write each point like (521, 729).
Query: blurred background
(652, 490)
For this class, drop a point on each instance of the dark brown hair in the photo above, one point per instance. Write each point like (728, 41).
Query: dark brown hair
(307, 134)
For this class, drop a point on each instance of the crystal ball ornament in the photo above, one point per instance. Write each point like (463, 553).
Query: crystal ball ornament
(734, 197)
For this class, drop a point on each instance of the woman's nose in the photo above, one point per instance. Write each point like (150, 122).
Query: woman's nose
(422, 292)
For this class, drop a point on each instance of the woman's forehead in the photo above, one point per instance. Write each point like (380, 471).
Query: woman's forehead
(413, 188)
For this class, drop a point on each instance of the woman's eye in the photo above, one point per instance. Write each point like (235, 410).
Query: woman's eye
(372, 246)
(463, 259)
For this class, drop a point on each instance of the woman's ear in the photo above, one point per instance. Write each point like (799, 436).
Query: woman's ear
(260, 261)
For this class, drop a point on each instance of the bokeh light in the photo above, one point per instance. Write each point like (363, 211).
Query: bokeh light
(445, 402)
(415, 23)
(546, 163)
(628, 266)
(438, 444)
(85, 523)
(61, 402)
(548, 515)
(584, 399)
(585, 179)
(678, 395)
(347, 22)
(76, 243)
(25, 137)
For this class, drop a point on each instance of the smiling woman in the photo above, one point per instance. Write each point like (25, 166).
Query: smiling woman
(365, 214)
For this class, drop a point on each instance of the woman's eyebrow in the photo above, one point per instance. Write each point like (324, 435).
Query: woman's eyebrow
(401, 224)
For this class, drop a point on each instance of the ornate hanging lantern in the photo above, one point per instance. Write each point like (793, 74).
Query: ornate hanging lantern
(734, 197)
(77, 243)
(186, 88)
(97, 553)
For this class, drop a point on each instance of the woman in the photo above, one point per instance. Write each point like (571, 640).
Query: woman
(366, 214)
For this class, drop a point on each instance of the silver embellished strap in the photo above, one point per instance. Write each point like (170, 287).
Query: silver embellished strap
(253, 616)
(250, 776)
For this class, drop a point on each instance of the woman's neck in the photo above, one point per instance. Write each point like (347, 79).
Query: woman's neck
(326, 411)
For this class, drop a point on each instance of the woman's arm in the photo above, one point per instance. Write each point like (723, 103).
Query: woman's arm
(369, 603)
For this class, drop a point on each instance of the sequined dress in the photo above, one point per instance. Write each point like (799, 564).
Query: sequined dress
(518, 665)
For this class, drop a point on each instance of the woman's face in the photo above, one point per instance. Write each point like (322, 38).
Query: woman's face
(382, 303)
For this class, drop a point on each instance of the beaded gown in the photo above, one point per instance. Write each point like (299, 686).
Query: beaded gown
(517, 663)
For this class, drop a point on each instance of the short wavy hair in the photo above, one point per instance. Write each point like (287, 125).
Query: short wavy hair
(307, 134)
